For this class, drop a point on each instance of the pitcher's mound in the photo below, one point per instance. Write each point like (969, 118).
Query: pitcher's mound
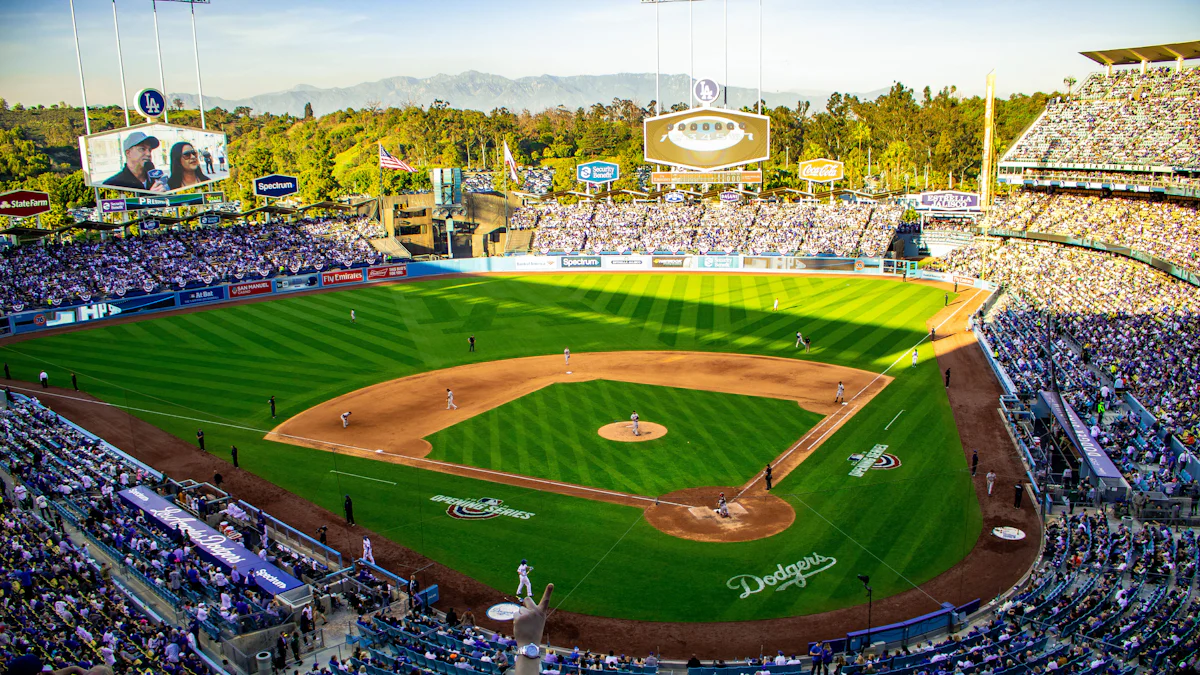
(623, 431)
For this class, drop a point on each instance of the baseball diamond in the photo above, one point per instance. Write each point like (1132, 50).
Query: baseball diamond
(524, 435)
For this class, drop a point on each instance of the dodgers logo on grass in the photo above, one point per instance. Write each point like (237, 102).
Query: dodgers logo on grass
(783, 576)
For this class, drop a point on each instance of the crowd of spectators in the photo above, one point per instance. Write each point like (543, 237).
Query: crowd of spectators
(1116, 324)
(806, 228)
(34, 276)
(1127, 119)
(536, 180)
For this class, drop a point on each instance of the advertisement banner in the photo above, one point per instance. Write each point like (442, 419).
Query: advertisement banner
(764, 262)
(707, 138)
(201, 295)
(245, 290)
(163, 202)
(57, 318)
(211, 544)
(948, 200)
(597, 172)
(153, 158)
(534, 263)
(625, 262)
(730, 177)
(276, 185)
(24, 203)
(298, 282)
(718, 262)
(576, 261)
(669, 261)
(822, 170)
(825, 264)
(387, 272)
(341, 277)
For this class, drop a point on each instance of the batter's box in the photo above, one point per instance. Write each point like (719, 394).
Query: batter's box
(705, 513)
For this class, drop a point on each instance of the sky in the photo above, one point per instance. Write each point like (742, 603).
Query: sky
(250, 47)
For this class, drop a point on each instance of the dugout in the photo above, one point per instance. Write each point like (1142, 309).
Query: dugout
(1066, 428)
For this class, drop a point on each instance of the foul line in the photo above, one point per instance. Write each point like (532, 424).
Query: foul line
(868, 551)
(602, 558)
(377, 480)
(894, 420)
(491, 472)
(852, 399)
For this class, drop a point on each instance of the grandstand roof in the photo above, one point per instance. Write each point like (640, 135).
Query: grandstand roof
(1154, 53)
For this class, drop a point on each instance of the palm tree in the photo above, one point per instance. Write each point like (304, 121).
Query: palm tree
(1070, 82)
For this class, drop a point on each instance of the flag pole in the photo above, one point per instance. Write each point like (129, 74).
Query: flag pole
(379, 158)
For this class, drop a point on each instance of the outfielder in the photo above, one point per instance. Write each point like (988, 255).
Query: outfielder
(345, 419)
(841, 393)
(914, 365)
(775, 308)
(353, 317)
(799, 339)
(450, 400)
(634, 418)
(368, 551)
(523, 571)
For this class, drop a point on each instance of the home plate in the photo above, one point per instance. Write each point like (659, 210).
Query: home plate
(704, 512)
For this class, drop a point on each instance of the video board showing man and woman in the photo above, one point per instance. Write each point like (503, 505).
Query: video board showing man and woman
(154, 158)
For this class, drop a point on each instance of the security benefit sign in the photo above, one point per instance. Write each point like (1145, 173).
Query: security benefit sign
(597, 172)
(707, 138)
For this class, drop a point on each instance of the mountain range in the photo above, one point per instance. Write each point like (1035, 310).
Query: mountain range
(486, 92)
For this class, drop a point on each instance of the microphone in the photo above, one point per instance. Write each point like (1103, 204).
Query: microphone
(154, 174)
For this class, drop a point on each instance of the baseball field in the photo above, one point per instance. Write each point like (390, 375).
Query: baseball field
(878, 486)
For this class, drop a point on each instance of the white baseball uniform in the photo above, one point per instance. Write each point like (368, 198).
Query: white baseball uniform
(914, 358)
(523, 571)
(841, 391)
(723, 507)
(799, 339)
(345, 419)
(775, 308)
(450, 400)
(567, 356)
(991, 480)
(353, 318)
(368, 551)
(634, 419)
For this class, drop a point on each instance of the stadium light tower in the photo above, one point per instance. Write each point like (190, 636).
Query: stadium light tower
(691, 52)
(195, 49)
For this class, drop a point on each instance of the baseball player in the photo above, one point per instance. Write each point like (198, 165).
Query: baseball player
(991, 480)
(272, 402)
(523, 571)
(914, 365)
(567, 355)
(450, 400)
(841, 393)
(368, 551)
(775, 308)
(634, 418)
(353, 317)
(722, 506)
(345, 419)
(799, 339)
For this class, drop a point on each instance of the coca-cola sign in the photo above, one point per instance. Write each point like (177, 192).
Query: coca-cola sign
(949, 200)
(822, 170)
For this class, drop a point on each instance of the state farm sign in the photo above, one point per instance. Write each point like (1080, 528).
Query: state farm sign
(24, 203)
(822, 170)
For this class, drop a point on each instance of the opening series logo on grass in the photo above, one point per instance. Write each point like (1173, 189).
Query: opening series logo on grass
(875, 458)
(479, 509)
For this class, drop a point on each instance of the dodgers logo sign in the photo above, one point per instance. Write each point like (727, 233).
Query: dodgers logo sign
(276, 185)
(597, 172)
(151, 102)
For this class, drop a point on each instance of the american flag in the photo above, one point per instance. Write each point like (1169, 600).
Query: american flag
(387, 161)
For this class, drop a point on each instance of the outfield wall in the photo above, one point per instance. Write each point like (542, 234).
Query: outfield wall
(142, 302)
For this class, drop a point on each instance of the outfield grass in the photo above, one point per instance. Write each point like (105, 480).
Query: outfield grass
(901, 527)
(712, 438)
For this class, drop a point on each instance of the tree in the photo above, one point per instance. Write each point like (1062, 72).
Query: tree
(177, 102)
(20, 159)
(319, 182)
(308, 111)
(1070, 82)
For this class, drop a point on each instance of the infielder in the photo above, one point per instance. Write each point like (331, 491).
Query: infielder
(345, 419)
(567, 355)
(450, 400)
(353, 317)
(841, 393)
(914, 365)
(799, 339)
(368, 551)
(523, 571)
(634, 418)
